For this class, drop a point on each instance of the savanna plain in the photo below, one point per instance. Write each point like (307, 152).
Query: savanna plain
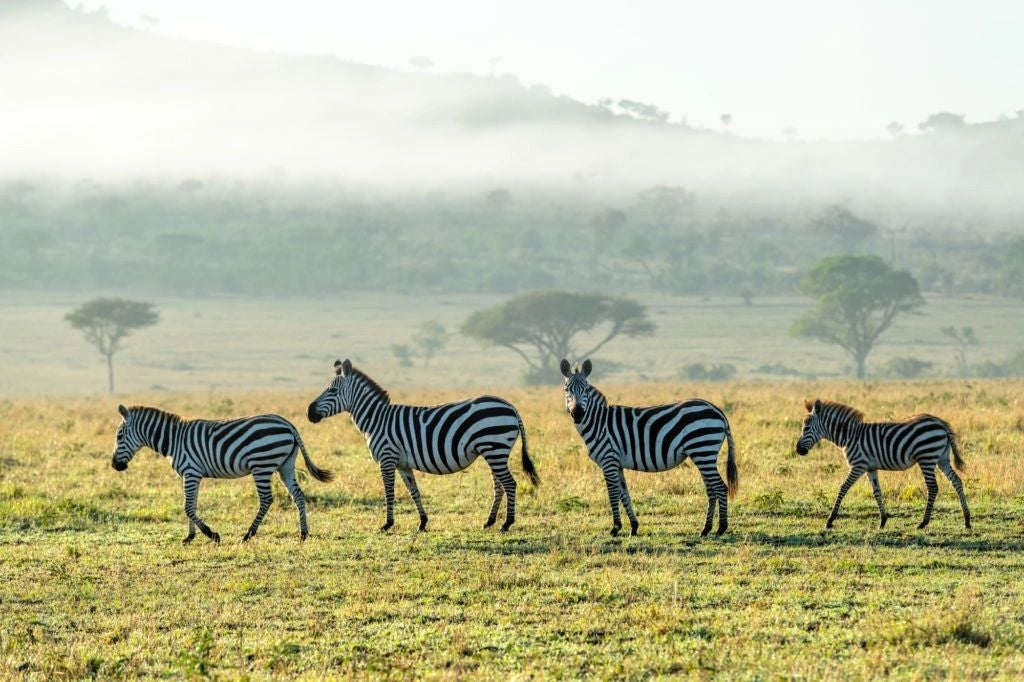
(95, 583)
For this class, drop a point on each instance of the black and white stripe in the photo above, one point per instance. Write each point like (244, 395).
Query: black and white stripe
(656, 438)
(201, 448)
(924, 440)
(436, 440)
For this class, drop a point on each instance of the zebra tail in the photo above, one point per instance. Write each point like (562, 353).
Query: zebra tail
(314, 471)
(958, 461)
(528, 467)
(731, 472)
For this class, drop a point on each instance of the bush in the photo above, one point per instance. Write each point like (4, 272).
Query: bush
(907, 367)
(700, 372)
(1013, 367)
(777, 369)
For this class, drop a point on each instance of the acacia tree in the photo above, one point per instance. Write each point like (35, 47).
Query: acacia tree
(541, 327)
(858, 297)
(106, 321)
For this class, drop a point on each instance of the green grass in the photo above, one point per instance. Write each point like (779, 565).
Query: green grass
(95, 582)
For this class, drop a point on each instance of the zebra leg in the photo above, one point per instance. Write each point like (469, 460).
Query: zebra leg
(387, 474)
(287, 473)
(714, 486)
(877, 489)
(928, 470)
(262, 480)
(414, 491)
(499, 492)
(851, 478)
(958, 486)
(611, 481)
(191, 498)
(627, 503)
(498, 462)
(191, 533)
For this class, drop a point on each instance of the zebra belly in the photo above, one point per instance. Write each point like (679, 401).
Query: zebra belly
(646, 462)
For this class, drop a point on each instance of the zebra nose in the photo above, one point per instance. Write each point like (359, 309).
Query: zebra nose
(118, 466)
(312, 415)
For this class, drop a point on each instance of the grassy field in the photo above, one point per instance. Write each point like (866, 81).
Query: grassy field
(95, 582)
(222, 344)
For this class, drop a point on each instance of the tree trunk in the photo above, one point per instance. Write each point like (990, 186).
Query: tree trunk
(860, 366)
(110, 373)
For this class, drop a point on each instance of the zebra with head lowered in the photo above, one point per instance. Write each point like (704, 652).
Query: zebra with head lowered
(656, 438)
(436, 440)
(924, 440)
(201, 448)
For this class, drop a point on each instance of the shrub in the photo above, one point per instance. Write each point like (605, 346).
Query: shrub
(701, 372)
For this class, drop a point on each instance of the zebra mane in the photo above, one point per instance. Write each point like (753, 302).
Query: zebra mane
(145, 410)
(844, 412)
(374, 387)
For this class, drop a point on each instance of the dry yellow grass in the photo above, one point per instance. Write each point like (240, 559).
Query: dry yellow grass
(96, 583)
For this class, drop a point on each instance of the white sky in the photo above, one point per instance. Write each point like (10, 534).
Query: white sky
(827, 68)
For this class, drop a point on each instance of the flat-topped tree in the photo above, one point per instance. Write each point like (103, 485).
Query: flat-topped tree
(106, 321)
(541, 327)
(858, 298)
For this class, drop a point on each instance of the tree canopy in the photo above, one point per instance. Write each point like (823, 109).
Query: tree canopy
(858, 297)
(106, 321)
(542, 326)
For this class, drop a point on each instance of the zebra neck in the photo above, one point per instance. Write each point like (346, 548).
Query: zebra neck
(161, 434)
(842, 433)
(367, 412)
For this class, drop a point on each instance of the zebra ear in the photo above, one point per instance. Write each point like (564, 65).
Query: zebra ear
(588, 367)
(566, 370)
(346, 367)
(337, 367)
(817, 406)
(808, 405)
(123, 410)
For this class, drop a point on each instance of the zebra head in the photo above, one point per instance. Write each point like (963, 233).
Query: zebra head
(337, 397)
(128, 440)
(812, 431)
(577, 389)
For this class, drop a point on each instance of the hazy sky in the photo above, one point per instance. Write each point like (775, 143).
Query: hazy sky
(826, 68)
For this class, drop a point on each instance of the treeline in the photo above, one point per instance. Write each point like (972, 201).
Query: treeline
(196, 238)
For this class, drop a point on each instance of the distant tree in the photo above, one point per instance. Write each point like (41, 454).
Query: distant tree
(106, 321)
(421, 62)
(541, 327)
(839, 223)
(895, 128)
(499, 199)
(639, 249)
(605, 227)
(1011, 268)
(858, 297)
(726, 120)
(643, 111)
(963, 338)
(402, 354)
(941, 121)
(430, 339)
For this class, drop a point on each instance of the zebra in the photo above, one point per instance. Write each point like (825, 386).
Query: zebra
(436, 440)
(888, 446)
(201, 448)
(656, 438)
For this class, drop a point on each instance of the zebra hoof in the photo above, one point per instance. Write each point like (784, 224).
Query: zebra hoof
(633, 528)
(508, 524)
(423, 523)
(923, 524)
(882, 521)
(967, 524)
(490, 522)
(828, 524)
(245, 538)
(302, 536)
(615, 530)
(705, 531)
(215, 537)
(387, 526)
(721, 529)
(190, 538)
